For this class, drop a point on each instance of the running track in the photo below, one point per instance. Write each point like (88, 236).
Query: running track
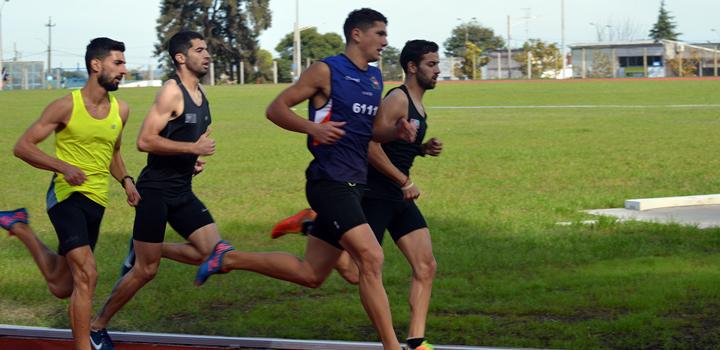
(38, 338)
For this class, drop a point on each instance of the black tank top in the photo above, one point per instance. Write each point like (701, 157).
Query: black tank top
(401, 155)
(173, 174)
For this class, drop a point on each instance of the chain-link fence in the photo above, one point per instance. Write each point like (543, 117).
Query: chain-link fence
(24, 75)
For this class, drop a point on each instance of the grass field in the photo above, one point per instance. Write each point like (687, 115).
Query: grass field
(508, 275)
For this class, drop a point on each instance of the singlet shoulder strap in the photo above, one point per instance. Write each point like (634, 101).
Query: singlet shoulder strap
(411, 104)
(401, 87)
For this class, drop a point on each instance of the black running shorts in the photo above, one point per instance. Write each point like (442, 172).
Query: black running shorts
(184, 212)
(398, 217)
(338, 207)
(77, 222)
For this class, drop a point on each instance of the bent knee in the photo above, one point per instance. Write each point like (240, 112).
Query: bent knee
(145, 273)
(86, 276)
(426, 269)
(351, 276)
(61, 291)
(314, 281)
(371, 261)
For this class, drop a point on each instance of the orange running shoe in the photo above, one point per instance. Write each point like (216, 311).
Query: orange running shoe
(293, 224)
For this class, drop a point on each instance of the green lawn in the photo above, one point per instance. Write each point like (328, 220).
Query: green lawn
(508, 275)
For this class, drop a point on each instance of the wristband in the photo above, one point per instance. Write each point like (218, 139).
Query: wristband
(122, 181)
(407, 187)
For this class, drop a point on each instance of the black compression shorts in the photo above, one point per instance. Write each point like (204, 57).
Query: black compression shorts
(338, 207)
(77, 222)
(398, 217)
(184, 212)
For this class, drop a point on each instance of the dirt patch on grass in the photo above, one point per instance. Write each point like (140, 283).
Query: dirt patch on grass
(575, 317)
(698, 326)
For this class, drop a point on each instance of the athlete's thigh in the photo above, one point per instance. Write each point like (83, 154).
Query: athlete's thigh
(70, 223)
(81, 260)
(359, 241)
(339, 209)
(147, 254)
(378, 212)
(93, 215)
(187, 214)
(406, 218)
(205, 238)
(150, 217)
(416, 246)
(321, 256)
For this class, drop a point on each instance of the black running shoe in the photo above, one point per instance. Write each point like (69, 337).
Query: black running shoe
(100, 340)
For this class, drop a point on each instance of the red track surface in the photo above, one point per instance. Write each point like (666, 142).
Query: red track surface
(8, 343)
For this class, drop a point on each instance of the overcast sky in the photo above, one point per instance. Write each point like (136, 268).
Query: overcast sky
(133, 21)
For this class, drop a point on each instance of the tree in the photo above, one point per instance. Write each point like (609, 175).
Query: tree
(314, 46)
(664, 28)
(601, 65)
(472, 61)
(625, 30)
(391, 68)
(685, 66)
(263, 70)
(543, 57)
(482, 38)
(231, 29)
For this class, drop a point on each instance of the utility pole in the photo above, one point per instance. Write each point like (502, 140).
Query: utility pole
(562, 37)
(50, 25)
(509, 51)
(2, 73)
(296, 42)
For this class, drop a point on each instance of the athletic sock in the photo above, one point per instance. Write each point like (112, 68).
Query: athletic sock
(306, 227)
(414, 342)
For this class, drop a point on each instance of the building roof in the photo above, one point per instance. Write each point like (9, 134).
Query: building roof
(607, 44)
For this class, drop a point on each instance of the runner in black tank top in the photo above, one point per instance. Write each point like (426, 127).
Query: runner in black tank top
(174, 173)
(174, 134)
(401, 154)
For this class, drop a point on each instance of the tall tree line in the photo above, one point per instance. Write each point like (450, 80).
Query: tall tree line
(231, 29)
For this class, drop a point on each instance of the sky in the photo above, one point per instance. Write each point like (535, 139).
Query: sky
(133, 22)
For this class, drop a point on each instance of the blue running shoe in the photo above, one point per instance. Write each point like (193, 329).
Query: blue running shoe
(129, 261)
(11, 217)
(100, 340)
(213, 264)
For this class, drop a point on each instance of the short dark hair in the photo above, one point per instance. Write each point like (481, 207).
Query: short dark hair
(414, 51)
(99, 48)
(181, 43)
(363, 19)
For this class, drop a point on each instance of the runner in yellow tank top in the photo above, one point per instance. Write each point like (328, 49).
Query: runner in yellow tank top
(88, 143)
(88, 126)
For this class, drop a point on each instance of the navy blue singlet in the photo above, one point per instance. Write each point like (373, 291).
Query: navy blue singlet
(355, 96)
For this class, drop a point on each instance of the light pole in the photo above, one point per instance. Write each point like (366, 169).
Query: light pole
(50, 25)
(296, 40)
(297, 46)
(2, 73)
(509, 40)
(562, 37)
(466, 24)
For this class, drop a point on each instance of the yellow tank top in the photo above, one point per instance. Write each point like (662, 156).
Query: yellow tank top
(87, 143)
